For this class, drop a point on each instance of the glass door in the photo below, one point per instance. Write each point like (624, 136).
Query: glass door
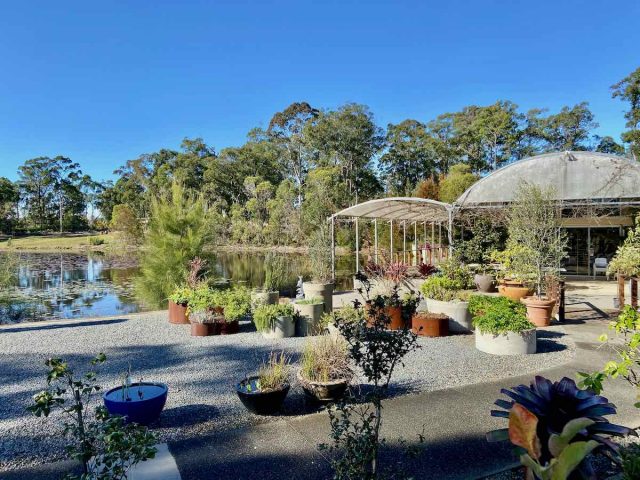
(577, 261)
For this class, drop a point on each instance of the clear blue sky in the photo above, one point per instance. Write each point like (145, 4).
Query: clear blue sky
(102, 82)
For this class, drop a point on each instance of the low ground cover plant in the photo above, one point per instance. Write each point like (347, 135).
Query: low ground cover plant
(325, 359)
(498, 315)
(442, 289)
(264, 316)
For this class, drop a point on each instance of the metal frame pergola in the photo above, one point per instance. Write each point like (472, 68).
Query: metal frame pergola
(401, 210)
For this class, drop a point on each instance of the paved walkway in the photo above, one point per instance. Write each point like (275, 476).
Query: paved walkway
(453, 421)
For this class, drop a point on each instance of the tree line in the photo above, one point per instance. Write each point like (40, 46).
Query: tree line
(308, 163)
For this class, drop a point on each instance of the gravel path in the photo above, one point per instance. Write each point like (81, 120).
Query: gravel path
(201, 373)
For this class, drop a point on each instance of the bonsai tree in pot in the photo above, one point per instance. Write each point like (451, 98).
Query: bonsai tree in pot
(445, 295)
(275, 321)
(321, 284)
(265, 392)
(534, 226)
(309, 311)
(325, 369)
(275, 272)
(502, 327)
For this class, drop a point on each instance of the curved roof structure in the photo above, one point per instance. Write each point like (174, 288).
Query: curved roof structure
(400, 208)
(576, 176)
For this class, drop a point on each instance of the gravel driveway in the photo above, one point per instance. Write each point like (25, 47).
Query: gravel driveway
(201, 372)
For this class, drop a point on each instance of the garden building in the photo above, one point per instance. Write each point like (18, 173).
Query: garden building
(599, 195)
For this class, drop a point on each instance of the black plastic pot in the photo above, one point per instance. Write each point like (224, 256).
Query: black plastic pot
(261, 403)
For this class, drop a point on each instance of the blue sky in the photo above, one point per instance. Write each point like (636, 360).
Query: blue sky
(102, 82)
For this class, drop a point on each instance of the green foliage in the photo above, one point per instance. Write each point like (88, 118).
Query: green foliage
(456, 182)
(320, 255)
(325, 359)
(310, 301)
(8, 269)
(106, 445)
(566, 455)
(628, 90)
(630, 456)
(626, 261)
(441, 288)
(177, 234)
(236, 302)
(455, 270)
(485, 238)
(264, 316)
(96, 241)
(181, 295)
(498, 315)
(9, 197)
(347, 314)
(535, 233)
(276, 270)
(125, 221)
(274, 374)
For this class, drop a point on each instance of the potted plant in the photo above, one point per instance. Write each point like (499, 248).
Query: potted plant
(309, 311)
(178, 302)
(275, 272)
(502, 327)
(344, 315)
(486, 236)
(236, 304)
(484, 279)
(139, 402)
(430, 324)
(534, 226)
(265, 392)
(321, 284)
(275, 321)
(205, 312)
(325, 370)
(512, 282)
(626, 261)
(445, 295)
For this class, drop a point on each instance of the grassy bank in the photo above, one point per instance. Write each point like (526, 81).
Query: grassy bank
(59, 243)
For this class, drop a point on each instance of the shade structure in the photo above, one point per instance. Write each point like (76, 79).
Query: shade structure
(409, 209)
(576, 178)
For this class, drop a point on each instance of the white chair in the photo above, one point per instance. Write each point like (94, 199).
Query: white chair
(600, 264)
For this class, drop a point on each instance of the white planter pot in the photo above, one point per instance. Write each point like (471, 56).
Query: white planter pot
(309, 320)
(320, 290)
(260, 297)
(458, 313)
(509, 343)
(283, 327)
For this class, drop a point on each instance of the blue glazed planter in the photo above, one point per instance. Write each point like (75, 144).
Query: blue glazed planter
(142, 409)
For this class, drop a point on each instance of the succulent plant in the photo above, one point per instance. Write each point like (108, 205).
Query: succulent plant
(555, 404)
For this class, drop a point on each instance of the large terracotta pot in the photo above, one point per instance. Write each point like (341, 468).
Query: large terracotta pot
(394, 314)
(460, 320)
(178, 313)
(200, 329)
(429, 324)
(539, 310)
(514, 290)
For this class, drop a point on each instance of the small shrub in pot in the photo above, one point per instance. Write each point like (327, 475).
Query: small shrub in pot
(275, 321)
(265, 392)
(445, 295)
(178, 303)
(321, 284)
(325, 369)
(237, 306)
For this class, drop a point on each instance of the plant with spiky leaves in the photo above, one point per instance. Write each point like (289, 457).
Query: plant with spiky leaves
(555, 404)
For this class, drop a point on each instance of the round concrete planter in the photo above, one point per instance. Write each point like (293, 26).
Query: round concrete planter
(320, 290)
(509, 343)
(308, 322)
(261, 297)
(283, 327)
(483, 282)
(457, 311)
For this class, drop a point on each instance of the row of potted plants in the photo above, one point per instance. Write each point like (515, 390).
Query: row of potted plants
(324, 373)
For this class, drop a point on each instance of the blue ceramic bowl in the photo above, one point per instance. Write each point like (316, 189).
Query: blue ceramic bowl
(143, 405)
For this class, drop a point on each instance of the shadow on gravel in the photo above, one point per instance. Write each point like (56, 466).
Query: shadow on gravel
(547, 341)
(187, 416)
(70, 324)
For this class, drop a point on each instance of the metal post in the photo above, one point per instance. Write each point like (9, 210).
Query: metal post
(333, 248)
(634, 292)
(391, 242)
(375, 239)
(415, 242)
(450, 233)
(357, 246)
(621, 291)
(404, 241)
(561, 305)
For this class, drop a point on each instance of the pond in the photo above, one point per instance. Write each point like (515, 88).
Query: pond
(68, 285)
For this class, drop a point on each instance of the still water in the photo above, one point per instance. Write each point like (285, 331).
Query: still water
(67, 285)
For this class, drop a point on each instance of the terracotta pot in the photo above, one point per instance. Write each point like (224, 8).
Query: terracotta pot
(229, 328)
(178, 313)
(539, 310)
(394, 314)
(483, 282)
(430, 324)
(200, 329)
(515, 293)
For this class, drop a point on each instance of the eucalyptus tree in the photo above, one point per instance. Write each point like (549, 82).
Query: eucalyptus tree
(570, 129)
(36, 184)
(409, 157)
(286, 129)
(607, 144)
(9, 198)
(628, 90)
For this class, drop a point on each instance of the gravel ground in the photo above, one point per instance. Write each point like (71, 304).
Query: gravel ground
(201, 373)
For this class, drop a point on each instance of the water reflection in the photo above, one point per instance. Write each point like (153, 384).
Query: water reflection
(67, 285)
